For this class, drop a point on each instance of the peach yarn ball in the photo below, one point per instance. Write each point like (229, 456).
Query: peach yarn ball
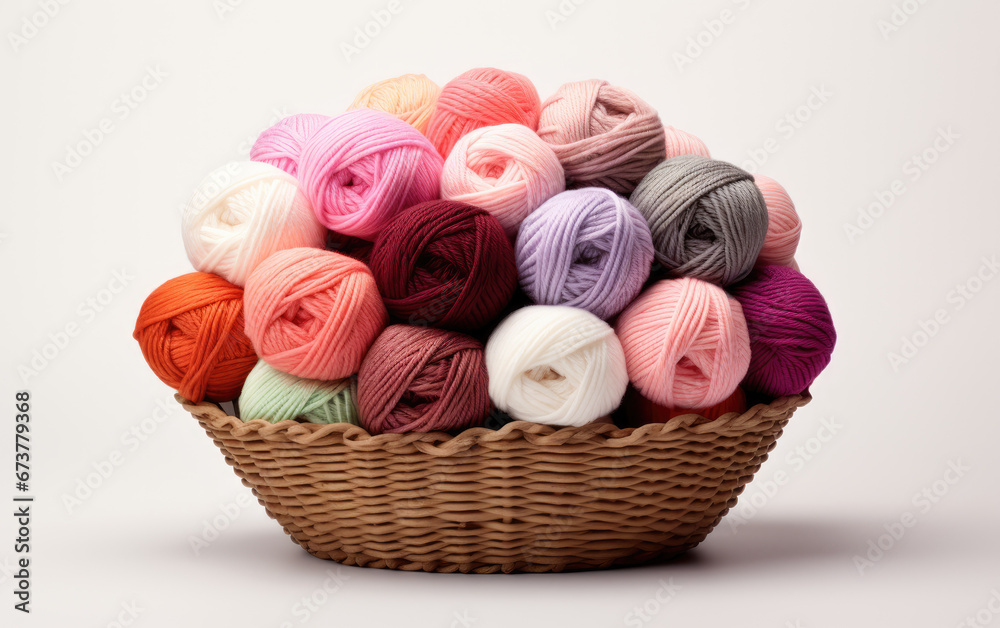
(683, 143)
(783, 224)
(410, 97)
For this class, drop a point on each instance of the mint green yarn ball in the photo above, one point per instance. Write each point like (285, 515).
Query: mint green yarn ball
(274, 396)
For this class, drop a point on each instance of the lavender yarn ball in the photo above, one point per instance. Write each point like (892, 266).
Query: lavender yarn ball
(587, 248)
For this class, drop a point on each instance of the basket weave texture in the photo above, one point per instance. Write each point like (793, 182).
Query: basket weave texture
(526, 497)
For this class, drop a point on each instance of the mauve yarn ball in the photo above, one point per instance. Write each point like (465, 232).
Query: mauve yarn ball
(604, 135)
(791, 331)
(446, 264)
(708, 219)
(587, 248)
(281, 145)
(422, 379)
(363, 167)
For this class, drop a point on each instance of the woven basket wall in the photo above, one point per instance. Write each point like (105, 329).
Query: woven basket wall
(527, 497)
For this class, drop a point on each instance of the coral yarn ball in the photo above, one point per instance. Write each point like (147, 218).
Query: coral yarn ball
(686, 343)
(422, 379)
(410, 97)
(482, 97)
(313, 313)
(683, 143)
(363, 167)
(505, 169)
(642, 411)
(783, 224)
(707, 218)
(587, 248)
(190, 330)
(791, 331)
(446, 264)
(281, 145)
(242, 213)
(604, 135)
(555, 365)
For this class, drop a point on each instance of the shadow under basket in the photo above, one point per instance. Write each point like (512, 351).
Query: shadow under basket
(526, 497)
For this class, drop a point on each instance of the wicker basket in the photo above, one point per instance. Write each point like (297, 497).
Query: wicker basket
(527, 497)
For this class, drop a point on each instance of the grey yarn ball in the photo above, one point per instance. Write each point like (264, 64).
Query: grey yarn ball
(707, 218)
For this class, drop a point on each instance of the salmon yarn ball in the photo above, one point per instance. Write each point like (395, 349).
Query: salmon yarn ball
(505, 169)
(683, 143)
(445, 264)
(604, 135)
(363, 167)
(313, 313)
(783, 224)
(422, 379)
(482, 97)
(190, 330)
(642, 411)
(686, 343)
(410, 97)
(241, 214)
(282, 144)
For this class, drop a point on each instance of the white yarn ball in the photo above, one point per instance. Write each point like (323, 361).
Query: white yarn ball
(556, 365)
(242, 213)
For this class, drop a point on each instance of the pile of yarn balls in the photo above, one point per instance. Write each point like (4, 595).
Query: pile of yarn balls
(442, 258)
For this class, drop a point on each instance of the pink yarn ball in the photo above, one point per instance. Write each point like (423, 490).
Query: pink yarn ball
(683, 143)
(783, 224)
(505, 169)
(686, 343)
(363, 167)
(281, 145)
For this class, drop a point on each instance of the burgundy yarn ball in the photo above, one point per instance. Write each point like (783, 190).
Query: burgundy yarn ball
(446, 264)
(422, 379)
(791, 331)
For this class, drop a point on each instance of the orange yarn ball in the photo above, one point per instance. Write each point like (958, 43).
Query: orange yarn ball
(640, 411)
(190, 331)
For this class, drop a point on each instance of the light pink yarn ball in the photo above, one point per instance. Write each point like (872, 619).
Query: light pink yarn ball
(683, 143)
(281, 144)
(686, 343)
(783, 224)
(505, 169)
(363, 167)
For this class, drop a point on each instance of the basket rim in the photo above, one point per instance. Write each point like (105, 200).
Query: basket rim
(356, 437)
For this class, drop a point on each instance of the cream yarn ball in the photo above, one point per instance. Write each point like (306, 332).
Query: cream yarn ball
(556, 365)
(242, 213)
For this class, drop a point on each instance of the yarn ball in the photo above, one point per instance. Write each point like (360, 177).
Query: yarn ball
(505, 169)
(446, 264)
(707, 218)
(686, 343)
(190, 330)
(242, 213)
(422, 379)
(587, 248)
(791, 331)
(274, 396)
(481, 97)
(410, 97)
(783, 224)
(604, 135)
(642, 411)
(281, 145)
(683, 143)
(313, 313)
(556, 365)
(363, 167)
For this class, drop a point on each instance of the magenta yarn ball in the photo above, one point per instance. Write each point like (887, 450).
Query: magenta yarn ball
(281, 145)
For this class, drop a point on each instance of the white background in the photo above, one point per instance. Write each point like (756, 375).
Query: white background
(791, 559)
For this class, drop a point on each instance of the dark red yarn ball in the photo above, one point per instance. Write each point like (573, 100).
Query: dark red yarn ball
(445, 264)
